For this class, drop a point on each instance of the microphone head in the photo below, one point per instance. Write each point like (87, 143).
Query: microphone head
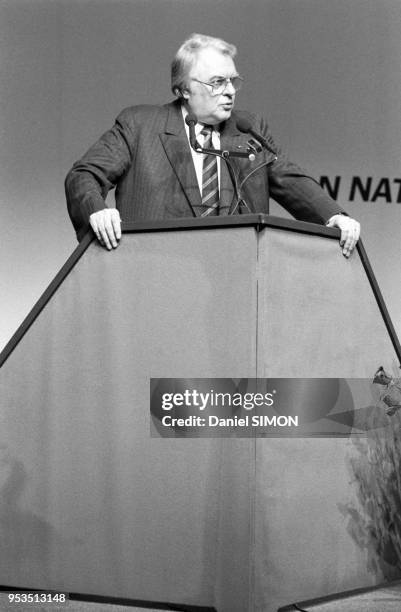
(191, 119)
(244, 125)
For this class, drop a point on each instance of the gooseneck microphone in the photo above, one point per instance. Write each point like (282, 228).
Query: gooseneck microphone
(245, 126)
(191, 120)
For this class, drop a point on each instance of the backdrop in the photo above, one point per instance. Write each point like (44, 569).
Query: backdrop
(325, 73)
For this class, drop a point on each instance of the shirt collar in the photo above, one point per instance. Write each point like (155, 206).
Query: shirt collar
(199, 126)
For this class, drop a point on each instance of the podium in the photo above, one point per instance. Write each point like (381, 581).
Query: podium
(91, 503)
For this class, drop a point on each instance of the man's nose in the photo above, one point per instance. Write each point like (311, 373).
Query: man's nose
(230, 89)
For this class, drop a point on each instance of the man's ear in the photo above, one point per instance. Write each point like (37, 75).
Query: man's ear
(181, 93)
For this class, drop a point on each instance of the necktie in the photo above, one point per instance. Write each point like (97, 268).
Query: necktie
(210, 181)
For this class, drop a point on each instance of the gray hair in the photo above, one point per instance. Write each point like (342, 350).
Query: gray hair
(186, 55)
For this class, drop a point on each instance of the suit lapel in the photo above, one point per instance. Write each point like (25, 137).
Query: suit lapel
(176, 146)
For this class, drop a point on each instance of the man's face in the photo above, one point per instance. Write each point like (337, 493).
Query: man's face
(210, 109)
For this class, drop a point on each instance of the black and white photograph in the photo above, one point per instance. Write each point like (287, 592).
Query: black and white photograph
(200, 266)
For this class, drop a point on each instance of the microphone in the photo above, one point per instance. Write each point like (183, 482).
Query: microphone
(245, 126)
(191, 120)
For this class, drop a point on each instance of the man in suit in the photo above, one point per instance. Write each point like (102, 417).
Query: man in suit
(147, 157)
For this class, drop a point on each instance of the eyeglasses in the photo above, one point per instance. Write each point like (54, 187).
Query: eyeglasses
(219, 85)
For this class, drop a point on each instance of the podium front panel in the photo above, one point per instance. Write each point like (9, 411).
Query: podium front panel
(318, 318)
(90, 502)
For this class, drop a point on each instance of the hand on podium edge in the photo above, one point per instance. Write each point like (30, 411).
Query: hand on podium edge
(350, 232)
(106, 224)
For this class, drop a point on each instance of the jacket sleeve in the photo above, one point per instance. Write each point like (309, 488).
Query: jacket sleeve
(294, 189)
(90, 179)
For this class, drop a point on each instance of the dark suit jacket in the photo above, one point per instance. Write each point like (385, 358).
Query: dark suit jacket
(146, 156)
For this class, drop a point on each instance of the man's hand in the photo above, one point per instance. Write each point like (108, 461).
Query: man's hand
(106, 224)
(350, 231)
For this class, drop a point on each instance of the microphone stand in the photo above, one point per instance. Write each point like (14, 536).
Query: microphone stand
(234, 179)
(245, 126)
(226, 155)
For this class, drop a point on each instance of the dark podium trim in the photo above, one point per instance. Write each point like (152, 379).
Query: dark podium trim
(380, 300)
(258, 221)
(304, 606)
(45, 297)
(115, 601)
